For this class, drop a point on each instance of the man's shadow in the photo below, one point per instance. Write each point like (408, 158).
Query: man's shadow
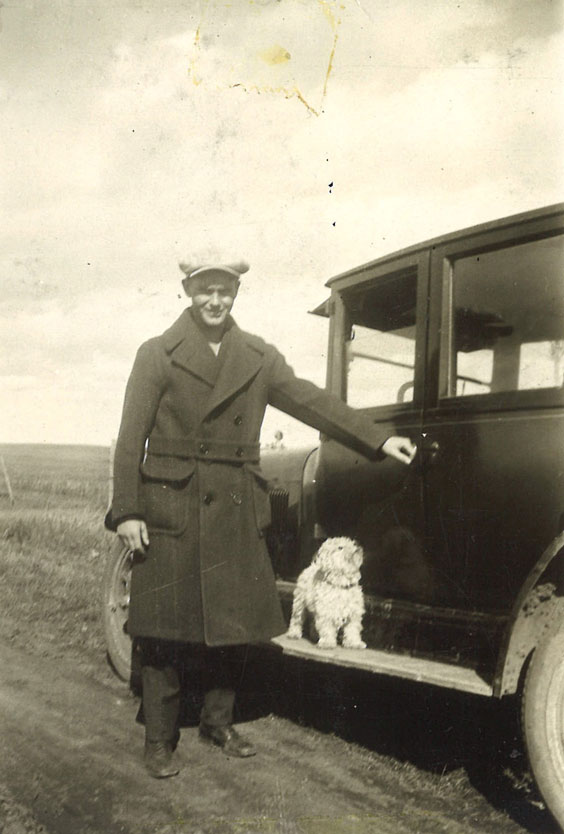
(435, 730)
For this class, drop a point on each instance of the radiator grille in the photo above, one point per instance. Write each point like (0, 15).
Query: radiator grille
(279, 499)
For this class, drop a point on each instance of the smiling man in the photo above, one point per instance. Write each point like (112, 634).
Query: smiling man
(213, 294)
(190, 500)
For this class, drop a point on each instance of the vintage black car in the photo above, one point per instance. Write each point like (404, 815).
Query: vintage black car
(457, 343)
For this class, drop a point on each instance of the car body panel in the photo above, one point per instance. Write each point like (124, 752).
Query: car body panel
(459, 344)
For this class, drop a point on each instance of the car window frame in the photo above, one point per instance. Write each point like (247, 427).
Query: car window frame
(440, 345)
(339, 326)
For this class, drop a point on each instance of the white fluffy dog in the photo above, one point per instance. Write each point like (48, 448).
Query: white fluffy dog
(330, 590)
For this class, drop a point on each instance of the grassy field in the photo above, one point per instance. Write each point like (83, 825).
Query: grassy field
(53, 548)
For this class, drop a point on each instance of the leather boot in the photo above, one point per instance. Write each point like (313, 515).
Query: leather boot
(231, 743)
(158, 759)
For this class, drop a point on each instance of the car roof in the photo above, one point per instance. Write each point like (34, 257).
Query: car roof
(512, 220)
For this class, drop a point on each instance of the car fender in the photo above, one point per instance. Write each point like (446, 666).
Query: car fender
(285, 471)
(539, 605)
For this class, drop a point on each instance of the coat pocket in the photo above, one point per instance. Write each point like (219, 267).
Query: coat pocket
(261, 498)
(165, 494)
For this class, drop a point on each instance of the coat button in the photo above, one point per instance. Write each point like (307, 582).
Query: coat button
(237, 498)
(238, 420)
(204, 449)
(208, 498)
(239, 452)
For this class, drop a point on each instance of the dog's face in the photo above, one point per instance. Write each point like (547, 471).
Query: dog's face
(340, 555)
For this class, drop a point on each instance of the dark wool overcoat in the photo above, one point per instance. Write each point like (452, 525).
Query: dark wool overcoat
(187, 461)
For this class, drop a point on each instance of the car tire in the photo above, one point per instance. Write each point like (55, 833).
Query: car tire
(117, 581)
(543, 719)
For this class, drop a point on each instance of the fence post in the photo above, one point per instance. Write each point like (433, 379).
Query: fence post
(111, 473)
(7, 479)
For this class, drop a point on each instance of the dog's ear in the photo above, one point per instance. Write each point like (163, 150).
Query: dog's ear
(325, 555)
(325, 548)
(317, 554)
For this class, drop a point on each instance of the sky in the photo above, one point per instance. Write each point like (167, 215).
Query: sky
(305, 136)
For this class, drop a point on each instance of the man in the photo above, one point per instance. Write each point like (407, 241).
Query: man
(190, 501)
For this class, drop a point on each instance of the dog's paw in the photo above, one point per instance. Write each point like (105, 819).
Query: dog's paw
(354, 643)
(294, 633)
(326, 643)
(360, 644)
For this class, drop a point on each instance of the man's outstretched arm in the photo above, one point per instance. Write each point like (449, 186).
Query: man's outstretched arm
(324, 411)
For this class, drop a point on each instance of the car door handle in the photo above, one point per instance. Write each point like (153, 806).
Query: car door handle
(430, 452)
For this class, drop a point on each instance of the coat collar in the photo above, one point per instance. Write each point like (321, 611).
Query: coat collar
(239, 360)
(187, 347)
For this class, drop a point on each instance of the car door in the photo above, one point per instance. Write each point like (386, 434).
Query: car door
(377, 364)
(493, 458)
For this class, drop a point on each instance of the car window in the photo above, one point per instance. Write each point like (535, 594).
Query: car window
(380, 350)
(504, 320)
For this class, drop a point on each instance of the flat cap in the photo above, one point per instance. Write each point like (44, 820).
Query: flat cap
(194, 268)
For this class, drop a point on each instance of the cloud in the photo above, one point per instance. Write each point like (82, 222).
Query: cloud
(145, 136)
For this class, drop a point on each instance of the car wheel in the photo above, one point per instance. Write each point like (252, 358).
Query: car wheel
(543, 719)
(117, 581)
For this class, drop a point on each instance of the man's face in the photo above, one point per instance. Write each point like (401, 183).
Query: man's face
(212, 297)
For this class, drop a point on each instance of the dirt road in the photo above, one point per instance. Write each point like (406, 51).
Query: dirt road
(70, 764)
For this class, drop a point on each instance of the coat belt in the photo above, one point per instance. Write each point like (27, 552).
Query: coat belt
(204, 449)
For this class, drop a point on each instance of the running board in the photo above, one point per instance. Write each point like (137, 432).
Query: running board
(385, 663)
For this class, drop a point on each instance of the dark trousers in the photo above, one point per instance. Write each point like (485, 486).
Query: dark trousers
(221, 669)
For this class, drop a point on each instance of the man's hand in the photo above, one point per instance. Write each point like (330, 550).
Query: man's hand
(400, 448)
(134, 534)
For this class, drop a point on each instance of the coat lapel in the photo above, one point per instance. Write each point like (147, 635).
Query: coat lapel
(239, 362)
(188, 348)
